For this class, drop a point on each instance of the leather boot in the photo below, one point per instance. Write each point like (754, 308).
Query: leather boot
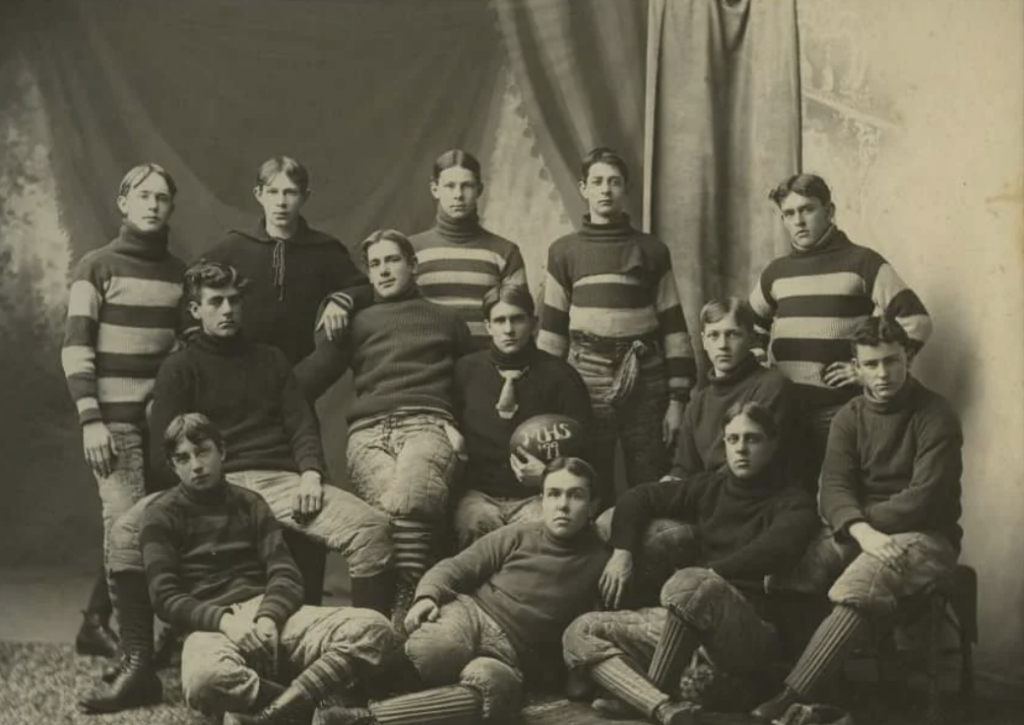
(95, 637)
(775, 708)
(136, 685)
(291, 707)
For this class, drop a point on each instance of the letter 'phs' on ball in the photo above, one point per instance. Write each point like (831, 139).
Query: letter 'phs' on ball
(549, 436)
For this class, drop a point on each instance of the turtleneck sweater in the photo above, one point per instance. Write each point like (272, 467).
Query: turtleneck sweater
(812, 300)
(248, 391)
(532, 583)
(548, 385)
(289, 280)
(895, 464)
(402, 353)
(458, 261)
(206, 550)
(746, 528)
(121, 324)
(613, 281)
(701, 447)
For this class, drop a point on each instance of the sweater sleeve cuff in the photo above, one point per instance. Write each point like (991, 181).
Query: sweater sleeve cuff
(843, 519)
(312, 463)
(342, 299)
(207, 617)
(274, 612)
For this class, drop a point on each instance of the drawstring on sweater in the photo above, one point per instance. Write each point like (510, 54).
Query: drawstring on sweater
(279, 267)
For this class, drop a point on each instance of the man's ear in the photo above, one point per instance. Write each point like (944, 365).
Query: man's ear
(122, 204)
(433, 188)
(582, 186)
(257, 191)
(193, 309)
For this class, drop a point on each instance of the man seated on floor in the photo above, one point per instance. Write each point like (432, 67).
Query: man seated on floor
(751, 522)
(890, 492)
(496, 390)
(248, 391)
(217, 567)
(491, 617)
(402, 438)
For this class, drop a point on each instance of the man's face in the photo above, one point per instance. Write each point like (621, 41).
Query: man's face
(457, 191)
(510, 327)
(726, 343)
(148, 205)
(806, 219)
(282, 200)
(566, 505)
(219, 311)
(391, 273)
(882, 370)
(198, 465)
(604, 190)
(748, 449)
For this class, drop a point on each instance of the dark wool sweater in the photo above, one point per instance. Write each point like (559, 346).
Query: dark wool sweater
(288, 281)
(249, 393)
(549, 385)
(746, 529)
(402, 353)
(204, 551)
(701, 446)
(530, 582)
(896, 465)
(458, 261)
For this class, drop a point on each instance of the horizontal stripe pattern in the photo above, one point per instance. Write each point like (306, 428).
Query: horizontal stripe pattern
(612, 322)
(817, 285)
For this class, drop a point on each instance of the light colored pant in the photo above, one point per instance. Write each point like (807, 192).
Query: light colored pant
(344, 524)
(477, 514)
(217, 678)
(402, 464)
(466, 646)
(127, 484)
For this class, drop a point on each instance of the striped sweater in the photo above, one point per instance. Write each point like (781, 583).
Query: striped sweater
(122, 318)
(812, 301)
(615, 282)
(204, 551)
(458, 261)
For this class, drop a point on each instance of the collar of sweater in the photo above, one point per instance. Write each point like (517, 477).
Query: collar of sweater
(144, 245)
(571, 543)
(618, 230)
(458, 230)
(304, 234)
(507, 361)
(215, 494)
(898, 402)
(764, 485)
(833, 240)
(741, 372)
(226, 346)
(412, 293)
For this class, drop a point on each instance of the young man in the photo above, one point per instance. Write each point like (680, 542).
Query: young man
(402, 437)
(611, 308)
(218, 568)
(249, 392)
(491, 618)
(752, 522)
(122, 318)
(496, 390)
(458, 260)
(811, 301)
(890, 491)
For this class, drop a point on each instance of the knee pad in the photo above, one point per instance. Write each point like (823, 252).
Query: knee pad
(500, 686)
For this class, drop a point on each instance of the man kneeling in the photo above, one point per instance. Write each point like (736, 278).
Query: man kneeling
(751, 522)
(217, 566)
(493, 615)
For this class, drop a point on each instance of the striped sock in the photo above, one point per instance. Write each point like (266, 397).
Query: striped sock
(675, 648)
(618, 676)
(412, 540)
(454, 705)
(130, 597)
(831, 643)
(328, 675)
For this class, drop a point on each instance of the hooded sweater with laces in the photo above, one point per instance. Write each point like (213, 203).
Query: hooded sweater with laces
(121, 324)
(288, 282)
(458, 261)
(895, 464)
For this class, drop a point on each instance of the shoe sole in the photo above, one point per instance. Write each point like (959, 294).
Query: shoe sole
(152, 696)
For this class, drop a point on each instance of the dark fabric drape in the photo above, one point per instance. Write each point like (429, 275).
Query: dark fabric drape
(366, 92)
(724, 103)
(579, 65)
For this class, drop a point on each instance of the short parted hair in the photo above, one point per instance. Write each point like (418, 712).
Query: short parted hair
(757, 413)
(719, 308)
(211, 275)
(576, 466)
(196, 428)
(460, 159)
(137, 174)
(292, 169)
(876, 331)
(809, 185)
(603, 155)
(388, 235)
(510, 293)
